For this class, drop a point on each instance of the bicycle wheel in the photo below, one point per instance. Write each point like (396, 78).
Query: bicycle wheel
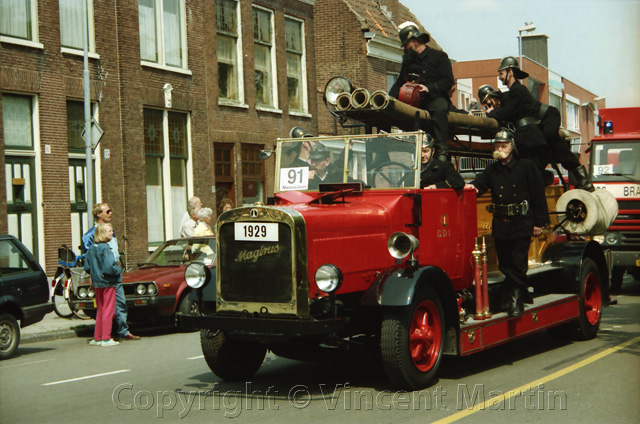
(59, 298)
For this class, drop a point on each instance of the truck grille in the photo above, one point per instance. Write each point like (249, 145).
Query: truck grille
(255, 271)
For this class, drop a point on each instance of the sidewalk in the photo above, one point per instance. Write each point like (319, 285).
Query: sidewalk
(53, 327)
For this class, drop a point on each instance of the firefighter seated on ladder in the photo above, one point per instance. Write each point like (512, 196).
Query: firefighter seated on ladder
(519, 211)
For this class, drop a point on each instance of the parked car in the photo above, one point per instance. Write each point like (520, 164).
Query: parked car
(24, 293)
(156, 289)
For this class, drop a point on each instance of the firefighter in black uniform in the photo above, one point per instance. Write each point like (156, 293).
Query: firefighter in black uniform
(519, 108)
(436, 173)
(431, 69)
(519, 210)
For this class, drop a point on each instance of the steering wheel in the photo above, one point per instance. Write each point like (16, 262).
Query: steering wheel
(390, 174)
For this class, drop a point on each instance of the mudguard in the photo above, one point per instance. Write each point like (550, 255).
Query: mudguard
(208, 291)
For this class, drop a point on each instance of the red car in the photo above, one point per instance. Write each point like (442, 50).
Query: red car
(157, 289)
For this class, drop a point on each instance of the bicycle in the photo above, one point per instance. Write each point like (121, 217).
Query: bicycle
(69, 275)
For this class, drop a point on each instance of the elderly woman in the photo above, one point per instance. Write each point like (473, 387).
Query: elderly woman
(205, 216)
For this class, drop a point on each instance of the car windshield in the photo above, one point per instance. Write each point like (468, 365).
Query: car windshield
(615, 161)
(183, 251)
(379, 161)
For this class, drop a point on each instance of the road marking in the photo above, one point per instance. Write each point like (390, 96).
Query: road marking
(25, 363)
(195, 357)
(84, 378)
(525, 387)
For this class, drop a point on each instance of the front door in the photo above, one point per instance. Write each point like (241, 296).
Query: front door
(21, 200)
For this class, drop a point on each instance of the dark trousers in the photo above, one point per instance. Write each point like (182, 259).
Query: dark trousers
(438, 109)
(560, 152)
(513, 261)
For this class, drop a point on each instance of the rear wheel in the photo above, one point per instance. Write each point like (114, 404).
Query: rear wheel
(590, 300)
(412, 340)
(9, 336)
(231, 360)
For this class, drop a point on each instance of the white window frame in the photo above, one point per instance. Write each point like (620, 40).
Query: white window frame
(35, 37)
(558, 94)
(573, 113)
(162, 62)
(91, 48)
(305, 87)
(576, 142)
(274, 74)
(239, 102)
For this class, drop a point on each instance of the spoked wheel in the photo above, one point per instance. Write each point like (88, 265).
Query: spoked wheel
(390, 175)
(60, 297)
(412, 341)
(590, 300)
(229, 359)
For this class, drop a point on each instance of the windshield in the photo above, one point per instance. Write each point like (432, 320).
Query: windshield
(379, 161)
(618, 161)
(184, 251)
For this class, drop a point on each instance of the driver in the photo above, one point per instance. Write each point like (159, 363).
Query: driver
(320, 171)
(435, 173)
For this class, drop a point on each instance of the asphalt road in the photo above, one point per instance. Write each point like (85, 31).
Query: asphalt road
(163, 377)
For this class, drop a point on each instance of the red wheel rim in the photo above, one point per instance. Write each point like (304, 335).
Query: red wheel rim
(592, 298)
(425, 335)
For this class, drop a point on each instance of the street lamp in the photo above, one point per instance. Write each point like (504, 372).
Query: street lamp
(528, 27)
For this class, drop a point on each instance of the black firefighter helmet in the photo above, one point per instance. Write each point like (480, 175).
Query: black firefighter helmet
(485, 91)
(409, 30)
(512, 63)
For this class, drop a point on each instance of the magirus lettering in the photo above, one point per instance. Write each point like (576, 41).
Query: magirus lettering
(253, 255)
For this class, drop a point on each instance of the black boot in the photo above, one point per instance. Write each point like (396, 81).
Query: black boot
(582, 179)
(516, 306)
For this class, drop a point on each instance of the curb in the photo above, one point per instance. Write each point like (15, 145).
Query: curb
(78, 331)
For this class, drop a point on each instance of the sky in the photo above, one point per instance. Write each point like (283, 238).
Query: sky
(593, 43)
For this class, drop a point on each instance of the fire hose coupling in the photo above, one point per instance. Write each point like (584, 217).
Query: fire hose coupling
(512, 209)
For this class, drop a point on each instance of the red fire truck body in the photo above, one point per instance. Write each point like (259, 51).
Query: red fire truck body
(615, 166)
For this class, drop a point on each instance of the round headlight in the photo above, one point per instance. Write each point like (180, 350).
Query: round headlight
(335, 87)
(611, 238)
(141, 289)
(328, 278)
(91, 293)
(197, 275)
(82, 292)
(151, 289)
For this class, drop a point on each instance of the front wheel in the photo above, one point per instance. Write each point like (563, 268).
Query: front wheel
(231, 360)
(590, 300)
(60, 297)
(412, 340)
(9, 336)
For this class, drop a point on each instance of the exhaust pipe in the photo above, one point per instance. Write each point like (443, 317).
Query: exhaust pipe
(360, 98)
(343, 101)
(379, 100)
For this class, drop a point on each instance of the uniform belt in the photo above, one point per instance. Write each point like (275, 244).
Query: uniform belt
(525, 121)
(509, 210)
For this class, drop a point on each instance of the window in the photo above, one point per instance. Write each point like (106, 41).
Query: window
(296, 69)
(166, 175)
(229, 54)
(573, 116)
(576, 142)
(392, 77)
(17, 120)
(163, 32)
(556, 101)
(252, 175)
(19, 20)
(224, 170)
(71, 16)
(264, 57)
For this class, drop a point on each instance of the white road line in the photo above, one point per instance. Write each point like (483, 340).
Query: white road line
(84, 378)
(195, 357)
(25, 363)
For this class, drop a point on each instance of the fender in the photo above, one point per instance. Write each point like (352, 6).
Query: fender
(11, 305)
(208, 291)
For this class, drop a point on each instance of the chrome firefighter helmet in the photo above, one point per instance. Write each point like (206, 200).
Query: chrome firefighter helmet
(428, 141)
(409, 30)
(511, 62)
(504, 136)
(298, 132)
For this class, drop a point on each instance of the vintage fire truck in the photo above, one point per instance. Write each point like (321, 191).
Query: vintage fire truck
(615, 166)
(369, 262)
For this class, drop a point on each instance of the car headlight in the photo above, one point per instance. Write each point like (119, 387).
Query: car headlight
(152, 289)
(197, 275)
(611, 238)
(91, 293)
(82, 292)
(335, 87)
(141, 289)
(328, 278)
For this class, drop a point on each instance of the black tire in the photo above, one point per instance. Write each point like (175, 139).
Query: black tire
(617, 274)
(412, 339)
(9, 336)
(60, 304)
(231, 360)
(590, 300)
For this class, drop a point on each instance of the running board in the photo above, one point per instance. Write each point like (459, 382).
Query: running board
(547, 311)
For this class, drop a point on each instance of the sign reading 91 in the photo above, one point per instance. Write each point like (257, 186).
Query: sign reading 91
(294, 178)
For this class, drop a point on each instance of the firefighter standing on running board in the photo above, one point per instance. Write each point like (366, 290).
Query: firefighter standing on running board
(519, 208)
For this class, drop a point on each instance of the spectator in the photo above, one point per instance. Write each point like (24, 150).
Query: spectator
(204, 223)
(188, 222)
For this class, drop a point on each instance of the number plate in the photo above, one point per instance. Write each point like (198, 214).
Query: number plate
(294, 179)
(257, 231)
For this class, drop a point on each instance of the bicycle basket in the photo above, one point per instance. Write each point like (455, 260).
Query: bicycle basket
(79, 276)
(66, 257)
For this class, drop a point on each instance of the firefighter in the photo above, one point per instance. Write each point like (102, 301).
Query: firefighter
(320, 171)
(300, 151)
(519, 109)
(519, 208)
(489, 97)
(431, 69)
(436, 173)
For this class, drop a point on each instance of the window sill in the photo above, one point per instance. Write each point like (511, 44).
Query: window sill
(21, 42)
(232, 103)
(300, 114)
(76, 52)
(165, 68)
(268, 109)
